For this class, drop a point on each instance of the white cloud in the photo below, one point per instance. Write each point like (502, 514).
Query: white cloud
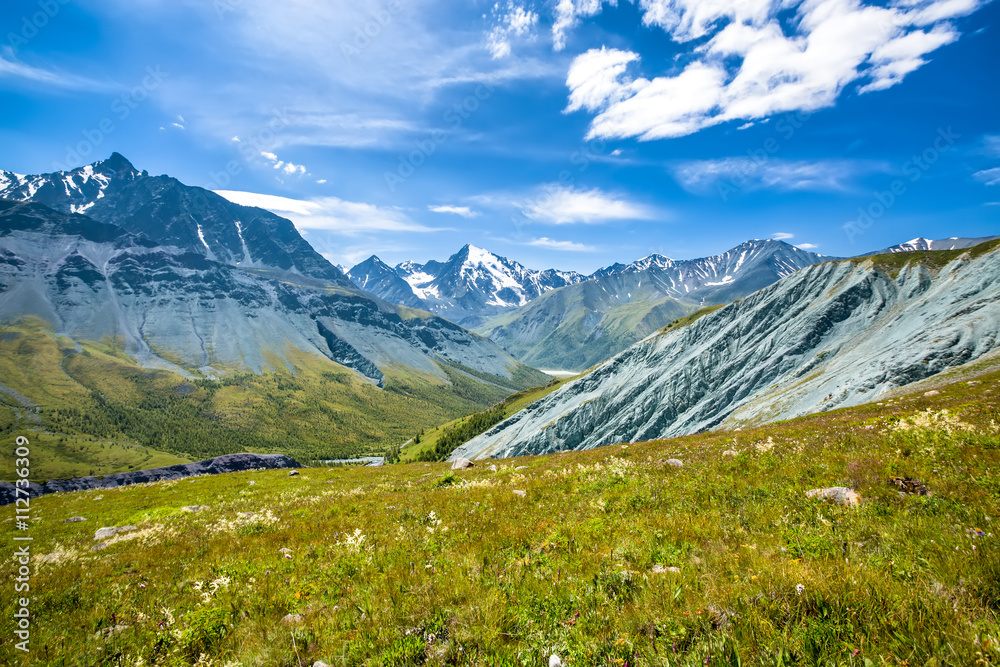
(287, 168)
(560, 205)
(463, 211)
(782, 236)
(988, 176)
(595, 79)
(510, 21)
(754, 63)
(329, 213)
(744, 172)
(568, 14)
(807, 246)
(569, 246)
(321, 181)
(178, 126)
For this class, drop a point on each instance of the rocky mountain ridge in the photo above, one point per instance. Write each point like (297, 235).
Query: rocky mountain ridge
(833, 335)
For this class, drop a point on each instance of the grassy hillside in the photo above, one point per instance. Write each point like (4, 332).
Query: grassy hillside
(566, 554)
(437, 443)
(96, 395)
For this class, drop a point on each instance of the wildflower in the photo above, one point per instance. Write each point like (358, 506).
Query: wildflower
(800, 589)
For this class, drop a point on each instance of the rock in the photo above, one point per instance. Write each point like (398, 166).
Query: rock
(675, 463)
(932, 392)
(520, 493)
(292, 619)
(320, 663)
(107, 632)
(554, 661)
(910, 486)
(284, 550)
(75, 519)
(729, 452)
(245, 515)
(253, 483)
(492, 468)
(660, 569)
(194, 508)
(111, 531)
(214, 466)
(838, 494)
(293, 473)
(462, 464)
(521, 468)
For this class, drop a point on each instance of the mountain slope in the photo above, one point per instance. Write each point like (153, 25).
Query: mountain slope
(576, 326)
(833, 335)
(106, 334)
(471, 284)
(171, 213)
(175, 309)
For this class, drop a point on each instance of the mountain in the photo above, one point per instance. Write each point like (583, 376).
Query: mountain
(375, 276)
(920, 243)
(173, 308)
(833, 335)
(576, 326)
(170, 213)
(472, 284)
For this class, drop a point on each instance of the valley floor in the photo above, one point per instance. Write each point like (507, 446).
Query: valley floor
(606, 557)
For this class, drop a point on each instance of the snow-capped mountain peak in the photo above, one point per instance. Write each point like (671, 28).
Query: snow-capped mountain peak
(165, 210)
(472, 283)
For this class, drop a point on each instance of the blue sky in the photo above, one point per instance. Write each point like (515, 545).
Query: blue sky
(560, 133)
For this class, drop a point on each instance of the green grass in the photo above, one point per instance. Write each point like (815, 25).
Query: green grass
(413, 564)
(61, 456)
(322, 410)
(687, 320)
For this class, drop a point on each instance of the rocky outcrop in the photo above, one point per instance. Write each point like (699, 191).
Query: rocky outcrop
(833, 335)
(218, 465)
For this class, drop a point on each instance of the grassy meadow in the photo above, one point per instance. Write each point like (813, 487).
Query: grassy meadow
(606, 557)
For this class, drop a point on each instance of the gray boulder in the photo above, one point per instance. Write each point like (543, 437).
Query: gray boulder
(840, 495)
(462, 464)
(110, 531)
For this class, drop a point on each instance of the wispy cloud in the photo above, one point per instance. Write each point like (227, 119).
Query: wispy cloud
(463, 211)
(560, 205)
(806, 246)
(988, 176)
(330, 213)
(569, 246)
(17, 70)
(753, 62)
(700, 176)
(782, 236)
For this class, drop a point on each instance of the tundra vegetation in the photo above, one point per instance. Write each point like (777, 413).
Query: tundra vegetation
(611, 556)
